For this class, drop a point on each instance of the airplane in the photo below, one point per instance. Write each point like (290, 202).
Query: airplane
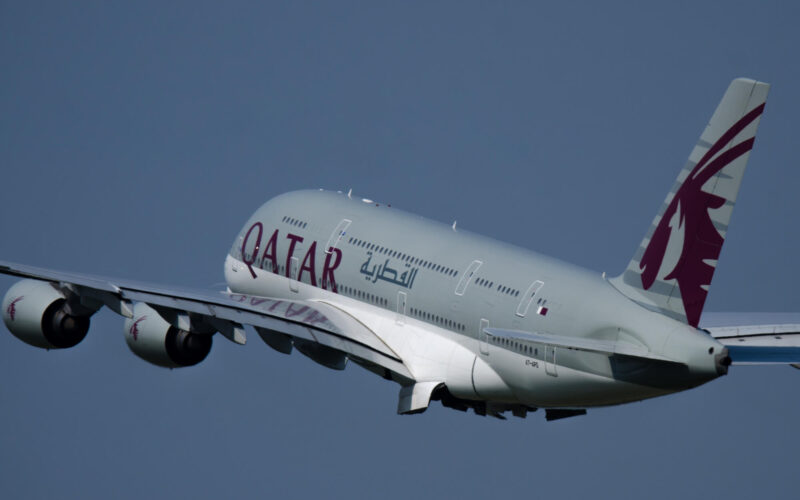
(449, 315)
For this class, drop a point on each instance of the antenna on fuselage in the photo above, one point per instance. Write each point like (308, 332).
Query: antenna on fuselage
(350, 193)
(454, 224)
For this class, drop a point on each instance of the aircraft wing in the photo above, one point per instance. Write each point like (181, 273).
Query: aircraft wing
(306, 322)
(757, 338)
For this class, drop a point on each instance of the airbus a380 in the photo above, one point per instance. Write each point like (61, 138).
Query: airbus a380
(447, 314)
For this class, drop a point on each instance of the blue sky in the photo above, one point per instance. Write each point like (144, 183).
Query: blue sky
(136, 139)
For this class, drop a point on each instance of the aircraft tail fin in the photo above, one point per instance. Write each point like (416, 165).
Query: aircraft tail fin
(672, 269)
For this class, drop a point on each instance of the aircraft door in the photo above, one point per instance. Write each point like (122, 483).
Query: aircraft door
(550, 360)
(473, 267)
(401, 307)
(336, 235)
(293, 266)
(527, 298)
(483, 337)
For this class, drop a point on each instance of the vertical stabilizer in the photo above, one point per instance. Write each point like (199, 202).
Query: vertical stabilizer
(672, 268)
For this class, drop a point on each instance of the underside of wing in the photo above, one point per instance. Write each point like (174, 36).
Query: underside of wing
(319, 330)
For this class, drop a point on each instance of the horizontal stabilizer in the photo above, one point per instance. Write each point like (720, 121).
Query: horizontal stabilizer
(763, 355)
(760, 344)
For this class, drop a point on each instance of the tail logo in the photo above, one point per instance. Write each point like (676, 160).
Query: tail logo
(134, 330)
(702, 242)
(12, 308)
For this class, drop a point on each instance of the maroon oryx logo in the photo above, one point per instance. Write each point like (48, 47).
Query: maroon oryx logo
(12, 310)
(702, 242)
(134, 331)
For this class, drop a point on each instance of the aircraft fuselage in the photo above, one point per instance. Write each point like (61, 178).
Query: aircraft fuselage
(431, 292)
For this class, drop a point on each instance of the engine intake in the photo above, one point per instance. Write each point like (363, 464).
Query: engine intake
(39, 314)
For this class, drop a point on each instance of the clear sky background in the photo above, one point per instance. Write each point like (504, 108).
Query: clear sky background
(137, 137)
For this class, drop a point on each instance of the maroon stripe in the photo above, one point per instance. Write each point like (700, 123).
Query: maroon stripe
(730, 134)
(723, 160)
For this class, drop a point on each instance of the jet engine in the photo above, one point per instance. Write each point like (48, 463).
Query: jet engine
(41, 315)
(154, 340)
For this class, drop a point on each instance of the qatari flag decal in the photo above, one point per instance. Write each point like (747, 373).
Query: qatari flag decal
(542, 311)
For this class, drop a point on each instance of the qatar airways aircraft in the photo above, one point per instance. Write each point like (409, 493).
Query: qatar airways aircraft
(450, 315)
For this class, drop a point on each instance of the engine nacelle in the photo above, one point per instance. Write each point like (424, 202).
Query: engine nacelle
(154, 340)
(38, 314)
